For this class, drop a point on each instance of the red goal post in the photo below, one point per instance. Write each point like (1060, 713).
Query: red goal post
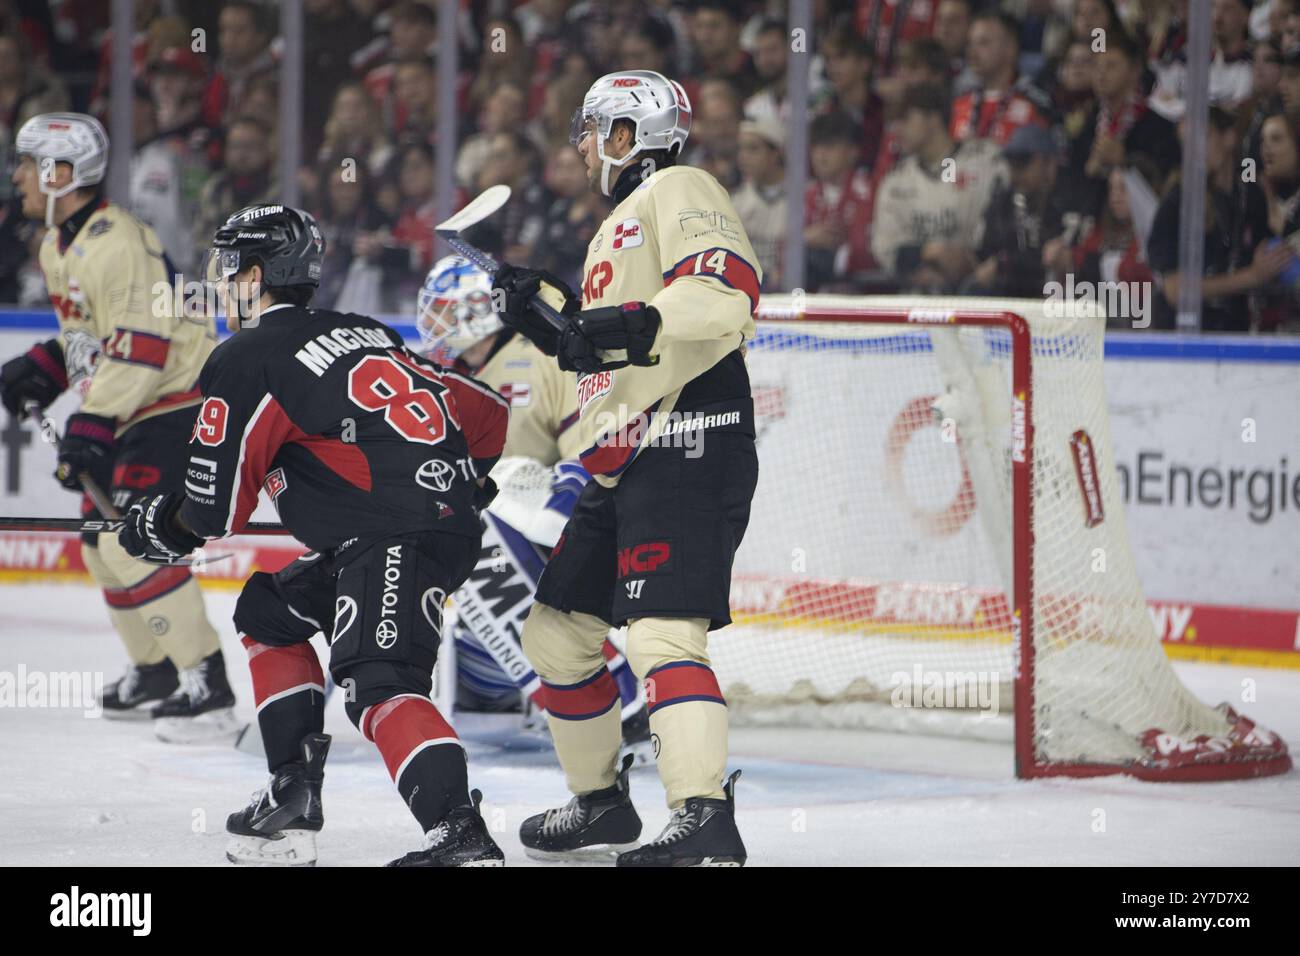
(1068, 634)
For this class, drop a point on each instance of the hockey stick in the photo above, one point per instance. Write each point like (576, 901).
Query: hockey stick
(112, 521)
(101, 501)
(479, 208)
(111, 526)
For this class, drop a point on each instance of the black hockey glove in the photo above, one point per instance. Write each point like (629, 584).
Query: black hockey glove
(513, 289)
(484, 494)
(152, 533)
(87, 445)
(37, 376)
(629, 327)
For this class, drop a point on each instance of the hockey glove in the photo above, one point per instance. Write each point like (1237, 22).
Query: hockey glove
(513, 290)
(151, 532)
(37, 376)
(629, 327)
(484, 494)
(87, 446)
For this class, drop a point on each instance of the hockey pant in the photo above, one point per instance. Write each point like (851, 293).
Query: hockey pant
(157, 611)
(491, 607)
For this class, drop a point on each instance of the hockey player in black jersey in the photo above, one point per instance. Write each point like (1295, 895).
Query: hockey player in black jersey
(373, 457)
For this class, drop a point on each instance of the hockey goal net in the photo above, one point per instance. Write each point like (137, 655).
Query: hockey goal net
(937, 536)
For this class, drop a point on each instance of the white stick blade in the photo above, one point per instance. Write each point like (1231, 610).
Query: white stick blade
(479, 208)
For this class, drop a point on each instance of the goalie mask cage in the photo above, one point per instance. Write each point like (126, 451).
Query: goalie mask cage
(938, 533)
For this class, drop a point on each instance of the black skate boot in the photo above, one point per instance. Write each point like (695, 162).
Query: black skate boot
(280, 823)
(461, 838)
(701, 832)
(141, 685)
(637, 742)
(590, 828)
(202, 709)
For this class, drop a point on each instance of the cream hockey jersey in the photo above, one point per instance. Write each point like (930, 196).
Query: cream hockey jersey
(543, 401)
(126, 350)
(677, 243)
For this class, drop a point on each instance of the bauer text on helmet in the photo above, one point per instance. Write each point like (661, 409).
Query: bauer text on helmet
(284, 242)
(657, 108)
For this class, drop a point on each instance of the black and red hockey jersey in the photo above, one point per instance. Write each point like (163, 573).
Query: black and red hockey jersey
(351, 434)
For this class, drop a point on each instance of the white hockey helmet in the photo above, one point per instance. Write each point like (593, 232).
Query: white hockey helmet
(657, 107)
(73, 138)
(454, 309)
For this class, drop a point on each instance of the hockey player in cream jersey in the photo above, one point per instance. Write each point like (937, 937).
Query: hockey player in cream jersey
(135, 365)
(456, 320)
(667, 302)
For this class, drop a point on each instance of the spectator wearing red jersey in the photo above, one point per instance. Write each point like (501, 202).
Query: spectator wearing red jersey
(848, 72)
(1003, 102)
(244, 39)
(837, 204)
(892, 22)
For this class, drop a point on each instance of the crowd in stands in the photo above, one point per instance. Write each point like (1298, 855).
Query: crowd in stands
(969, 147)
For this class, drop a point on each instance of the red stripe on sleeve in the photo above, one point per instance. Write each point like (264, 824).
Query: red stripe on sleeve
(138, 348)
(735, 272)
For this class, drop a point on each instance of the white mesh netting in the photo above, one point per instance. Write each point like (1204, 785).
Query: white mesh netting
(878, 561)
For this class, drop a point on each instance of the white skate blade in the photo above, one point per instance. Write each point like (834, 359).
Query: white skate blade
(137, 713)
(286, 848)
(216, 726)
(599, 854)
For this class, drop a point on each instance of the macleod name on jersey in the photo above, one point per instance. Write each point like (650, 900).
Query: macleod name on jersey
(320, 353)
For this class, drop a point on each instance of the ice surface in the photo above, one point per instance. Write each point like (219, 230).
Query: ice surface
(78, 791)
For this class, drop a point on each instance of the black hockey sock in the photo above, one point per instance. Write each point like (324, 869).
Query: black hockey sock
(423, 755)
(289, 691)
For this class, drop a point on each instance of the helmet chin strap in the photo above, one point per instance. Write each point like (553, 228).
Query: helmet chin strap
(607, 163)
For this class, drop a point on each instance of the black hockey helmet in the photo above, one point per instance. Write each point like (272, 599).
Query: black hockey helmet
(284, 241)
